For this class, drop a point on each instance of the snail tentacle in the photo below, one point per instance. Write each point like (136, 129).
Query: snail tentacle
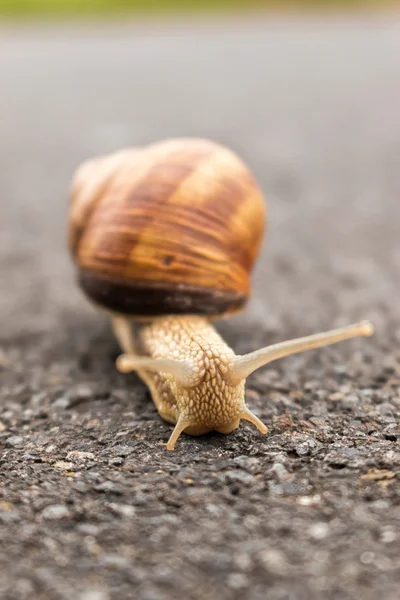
(246, 364)
(182, 371)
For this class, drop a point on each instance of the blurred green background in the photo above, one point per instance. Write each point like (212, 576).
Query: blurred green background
(90, 7)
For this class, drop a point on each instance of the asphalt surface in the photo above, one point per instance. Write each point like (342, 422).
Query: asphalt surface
(92, 506)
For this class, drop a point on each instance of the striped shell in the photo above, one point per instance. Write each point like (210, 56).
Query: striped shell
(171, 228)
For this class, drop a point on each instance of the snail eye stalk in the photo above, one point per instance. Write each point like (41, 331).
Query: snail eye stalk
(246, 364)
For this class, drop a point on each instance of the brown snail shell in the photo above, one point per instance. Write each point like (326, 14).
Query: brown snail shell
(171, 228)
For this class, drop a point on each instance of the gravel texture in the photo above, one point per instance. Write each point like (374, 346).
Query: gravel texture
(92, 506)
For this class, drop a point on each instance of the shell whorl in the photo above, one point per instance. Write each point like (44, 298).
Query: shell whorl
(172, 228)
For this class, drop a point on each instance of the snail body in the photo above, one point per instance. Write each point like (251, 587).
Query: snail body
(202, 398)
(165, 238)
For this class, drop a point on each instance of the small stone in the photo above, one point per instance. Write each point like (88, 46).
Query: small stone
(336, 396)
(63, 465)
(89, 529)
(350, 401)
(123, 450)
(296, 394)
(342, 457)
(285, 421)
(388, 536)
(72, 397)
(393, 457)
(115, 561)
(15, 440)
(386, 408)
(311, 385)
(125, 510)
(106, 486)
(306, 447)
(246, 462)
(62, 402)
(309, 500)
(2, 427)
(214, 510)
(367, 558)
(345, 388)
(273, 561)
(116, 462)
(319, 531)
(381, 505)
(8, 415)
(77, 455)
(237, 476)
(237, 581)
(83, 391)
(281, 473)
(38, 399)
(243, 561)
(55, 511)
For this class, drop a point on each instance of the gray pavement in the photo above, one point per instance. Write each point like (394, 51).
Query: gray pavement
(92, 507)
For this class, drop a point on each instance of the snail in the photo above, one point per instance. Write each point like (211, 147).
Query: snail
(164, 239)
